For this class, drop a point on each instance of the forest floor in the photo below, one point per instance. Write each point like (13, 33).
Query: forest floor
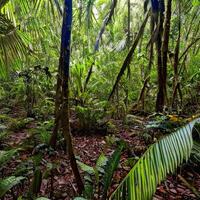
(61, 185)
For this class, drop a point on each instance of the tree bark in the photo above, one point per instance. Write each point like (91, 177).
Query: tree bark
(176, 84)
(165, 47)
(160, 95)
(162, 51)
(58, 103)
(63, 112)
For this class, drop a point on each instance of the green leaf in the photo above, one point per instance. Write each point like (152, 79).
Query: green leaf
(160, 159)
(195, 157)
(110, 168)
(86, 168)
(6, 156)
(101, 161)
(196, 2)
(9, 182)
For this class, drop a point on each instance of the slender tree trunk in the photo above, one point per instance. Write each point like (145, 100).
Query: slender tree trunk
(165, 47)
(188, 48)
(160, 95)
(58, 103)
(191, 23)
(129, 22)
(152, 26)
(176, 84)
(128, 45)
(63, 112)
(162, 51)
(145, 90)
(141, 99)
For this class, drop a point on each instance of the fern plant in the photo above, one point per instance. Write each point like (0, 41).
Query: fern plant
(99, 178)
(6, 156)
(8, 182)
(160, 159)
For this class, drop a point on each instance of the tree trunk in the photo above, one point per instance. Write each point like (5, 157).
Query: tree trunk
(162, 51)
(160, 95)
(63, 111)
(152, 26)
(165, 47)
(176, 84)
(58, 103)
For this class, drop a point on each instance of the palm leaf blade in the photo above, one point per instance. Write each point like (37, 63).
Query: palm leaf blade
(160, 159)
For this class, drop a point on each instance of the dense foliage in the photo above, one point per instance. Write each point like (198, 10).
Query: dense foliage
(88, 67)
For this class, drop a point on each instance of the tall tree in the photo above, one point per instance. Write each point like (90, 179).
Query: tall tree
(157, 11)
(162, 44)
(63, 110)
(165, 46)
(176, 83)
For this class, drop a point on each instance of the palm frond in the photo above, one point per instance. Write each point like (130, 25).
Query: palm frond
(12, 46)
(52, 7)
(14, 42)
(160, 159)
(106, 21)
(89, 12)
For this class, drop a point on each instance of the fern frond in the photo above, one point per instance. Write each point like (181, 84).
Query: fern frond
(9, 182)
(6, 156)
(160, 159)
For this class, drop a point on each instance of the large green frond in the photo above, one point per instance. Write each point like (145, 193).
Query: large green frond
(9, 182)
(13, 37)
(160, 159)
(12, 46)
